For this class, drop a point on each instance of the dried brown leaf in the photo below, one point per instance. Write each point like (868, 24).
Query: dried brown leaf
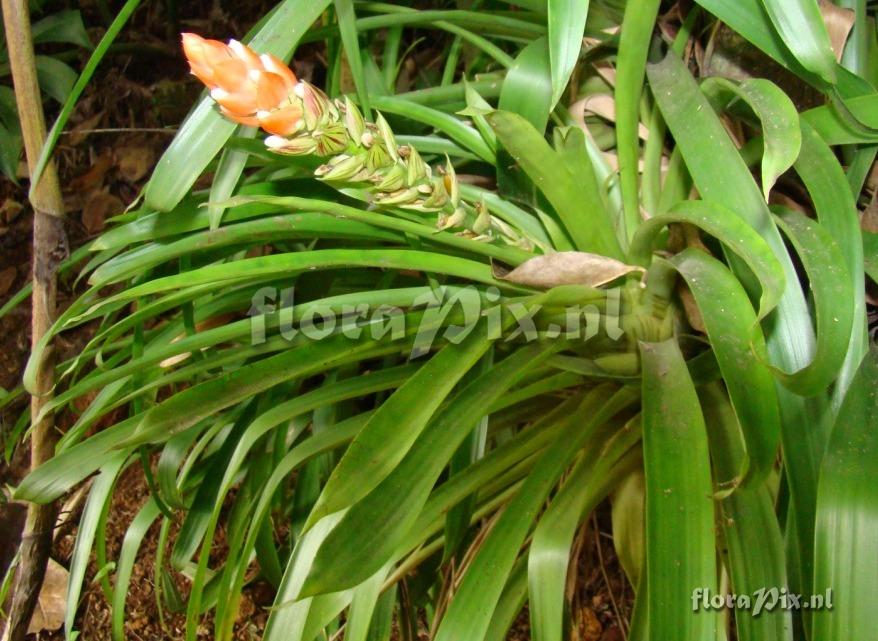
(839, 22)
(135, 162)
(52, 602)
(7, 278)
(81, 131)
(10, 209)
(99, 206)
(567, 268)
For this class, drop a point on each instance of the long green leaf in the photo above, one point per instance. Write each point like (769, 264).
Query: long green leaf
(527, 88)
(549, 557)
(634, 43)
(833, 293)
(397, 424)
(96, 504)
(566, 19)
(469, 613)
(576, 199)
(681, 555)
(79, 86)
(846, 549)
(836, 210)
(781, 135)
(344, 9)
(737, 343)
(801, 27)
(749, 523)
(721, 176)
(371, 530)
(124, 566)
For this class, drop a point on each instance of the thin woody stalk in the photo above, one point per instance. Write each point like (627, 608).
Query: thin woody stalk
(49, 249)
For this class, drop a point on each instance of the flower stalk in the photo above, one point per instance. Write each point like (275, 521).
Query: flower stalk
(362, 158)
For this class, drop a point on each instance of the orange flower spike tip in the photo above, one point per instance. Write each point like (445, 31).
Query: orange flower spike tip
(275, 65)
(251, 89)
(203, 55)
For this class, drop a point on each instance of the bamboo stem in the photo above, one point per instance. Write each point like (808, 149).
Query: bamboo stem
(49, 249)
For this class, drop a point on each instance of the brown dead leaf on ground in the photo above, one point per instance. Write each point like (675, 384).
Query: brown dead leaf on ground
(10, 209)
(94, 177)
(52, 602)
(7, 278)
(100, 205)
(135, 162)
(81, 131)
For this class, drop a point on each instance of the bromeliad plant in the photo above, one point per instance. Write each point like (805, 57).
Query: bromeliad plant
(340, 467)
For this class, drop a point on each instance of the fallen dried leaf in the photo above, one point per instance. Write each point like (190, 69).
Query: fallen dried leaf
(603, 105)
(81, 131)
(94, 177)
(135, 162)
(99, 206)
(567, 268)
(52, 602)
(10, 209)
(7, 278)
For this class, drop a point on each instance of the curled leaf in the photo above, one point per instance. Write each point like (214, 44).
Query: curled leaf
(566, 268)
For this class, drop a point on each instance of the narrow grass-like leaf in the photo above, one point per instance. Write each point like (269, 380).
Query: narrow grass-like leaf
(733, 232)
(395, 427)
(846, 549)
(228, 173)
(79, 86)
(511, 602)
(576, 199)
(549, 557)
(344, 10)
(60, 473)
(96, 504)
(566, 21)
(371, 530)
(469, 614)
(679, 506)
(634, 42)
(363, 605)
(279, 265)
(317, 398)
(127, 556)
(781, 135)
(274, 228)
(833, 293)
(752, 533)
(737, 340)
(464, 135)
(237, 567)
(801, 27)
(195, 403)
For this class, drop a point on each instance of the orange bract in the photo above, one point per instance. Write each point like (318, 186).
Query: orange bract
(251, 89)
